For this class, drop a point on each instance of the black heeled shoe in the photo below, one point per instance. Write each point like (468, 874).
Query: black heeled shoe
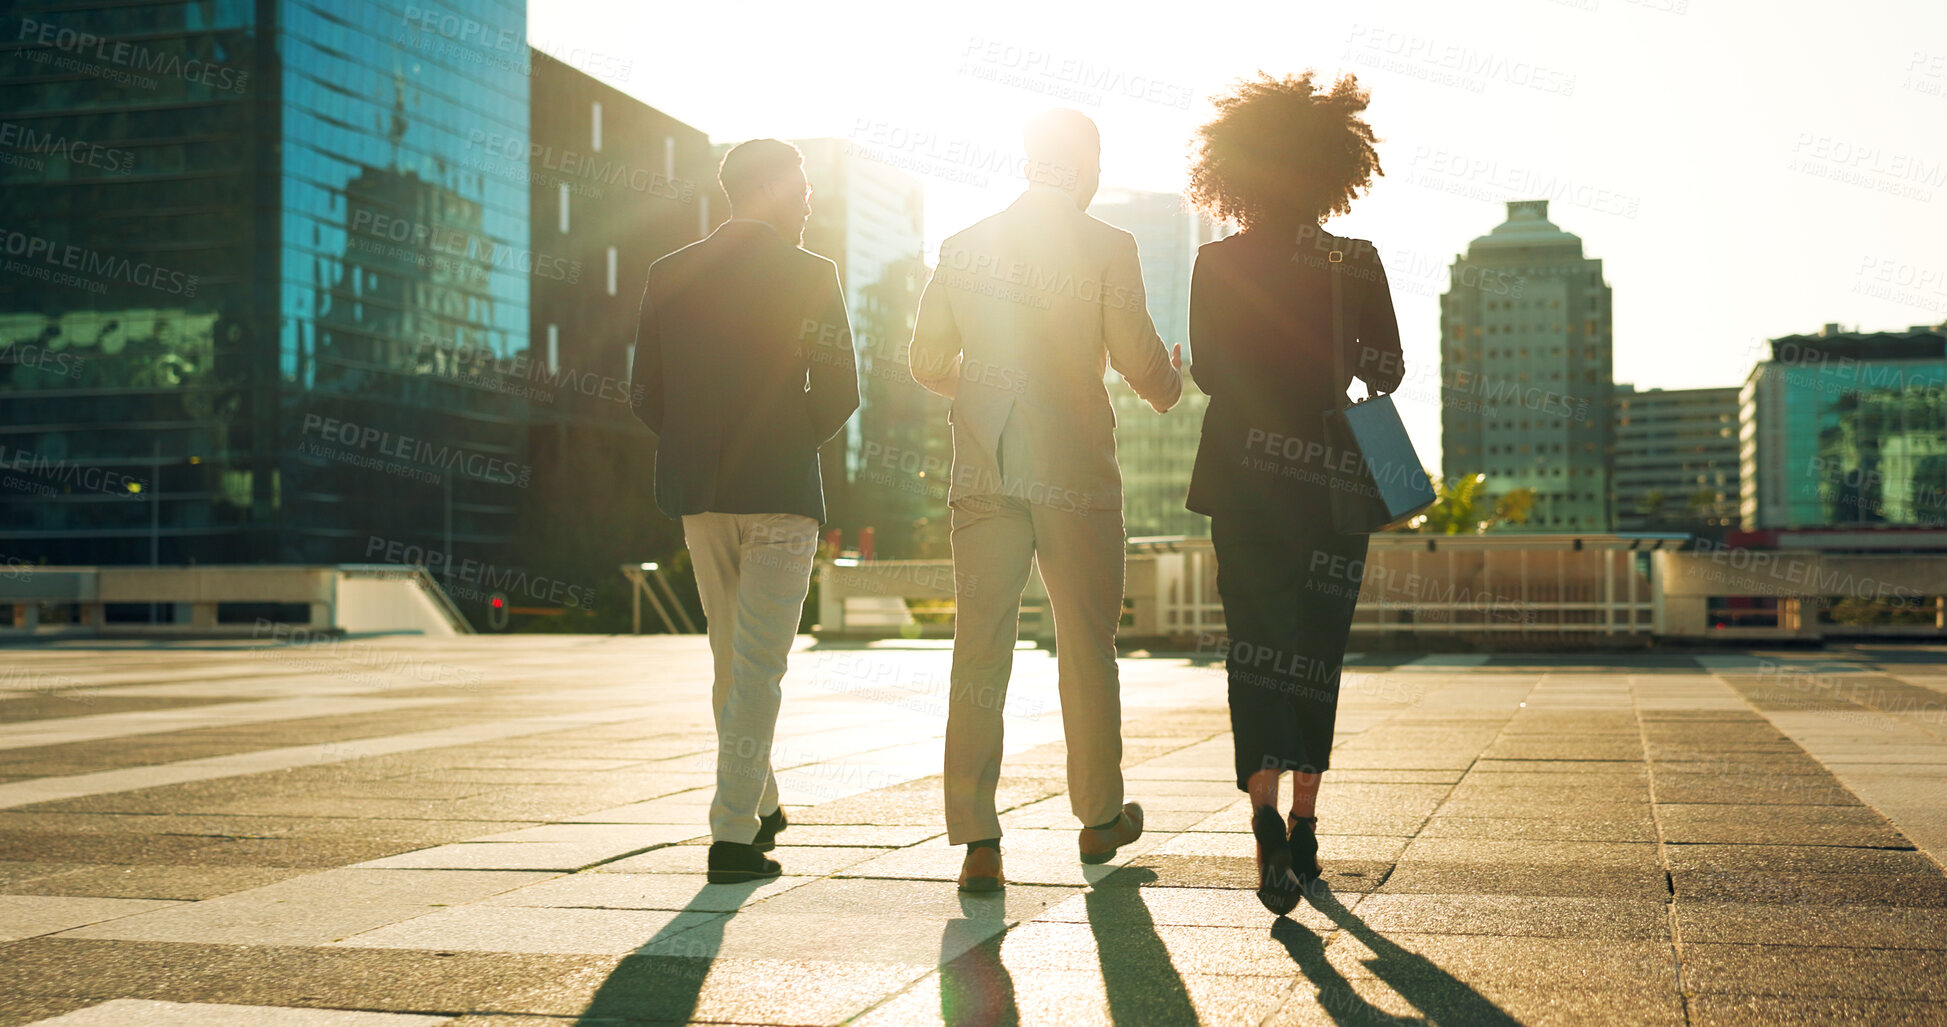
(1303, 846)
(1277, 887)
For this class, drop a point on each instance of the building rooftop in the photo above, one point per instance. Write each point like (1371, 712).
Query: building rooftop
(1527, 226)
(1831, 342)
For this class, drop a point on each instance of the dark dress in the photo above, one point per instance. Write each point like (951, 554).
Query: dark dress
(1261, 347)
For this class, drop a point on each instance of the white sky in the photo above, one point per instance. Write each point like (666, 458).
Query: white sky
(1733, 164)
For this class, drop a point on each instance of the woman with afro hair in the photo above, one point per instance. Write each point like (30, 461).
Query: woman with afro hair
(1281, 156)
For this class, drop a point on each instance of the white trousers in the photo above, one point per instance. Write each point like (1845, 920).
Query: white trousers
(752, 572)
(995, 540)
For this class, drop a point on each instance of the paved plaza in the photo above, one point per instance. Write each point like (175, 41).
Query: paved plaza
(510, 831)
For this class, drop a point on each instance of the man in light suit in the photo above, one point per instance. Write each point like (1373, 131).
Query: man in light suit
(743, 360)
(1023, 317)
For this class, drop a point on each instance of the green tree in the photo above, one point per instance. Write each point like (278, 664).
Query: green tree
(1463, 507)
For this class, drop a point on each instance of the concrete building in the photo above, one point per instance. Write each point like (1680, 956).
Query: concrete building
(613, 185)
(1846, 428)
(1525, 370)
(1157, 452)
(887, 470)
(1676, 458)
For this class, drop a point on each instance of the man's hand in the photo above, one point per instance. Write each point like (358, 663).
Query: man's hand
(1176, 365)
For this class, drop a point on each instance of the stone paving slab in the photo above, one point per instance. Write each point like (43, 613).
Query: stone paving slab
(122, 1012)
(1531, 839)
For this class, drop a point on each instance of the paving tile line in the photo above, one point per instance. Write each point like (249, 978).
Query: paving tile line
(1663, 857)
(98, 727)
(74, 786)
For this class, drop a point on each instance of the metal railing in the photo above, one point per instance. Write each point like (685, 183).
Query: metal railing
(640, 576)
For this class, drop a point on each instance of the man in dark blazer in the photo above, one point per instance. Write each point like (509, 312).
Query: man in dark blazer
(744, 365)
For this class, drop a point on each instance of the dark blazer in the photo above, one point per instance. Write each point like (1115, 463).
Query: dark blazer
(1261, 348)
(743, 367)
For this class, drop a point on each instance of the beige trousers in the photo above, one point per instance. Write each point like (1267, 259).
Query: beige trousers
(752, 572)
(1080, 553)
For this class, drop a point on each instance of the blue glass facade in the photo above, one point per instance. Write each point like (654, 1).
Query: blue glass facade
(244, 249)
(1847, 429)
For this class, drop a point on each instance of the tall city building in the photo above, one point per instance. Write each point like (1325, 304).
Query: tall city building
(887, 470)
(1846, 428)
(1525, 370)
(1676, 459)
(613, 184)
(1157, 452)
(249, 236)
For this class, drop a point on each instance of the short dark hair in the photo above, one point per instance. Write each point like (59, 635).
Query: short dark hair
(1063, 138)
(1282, 151)
(750, 164)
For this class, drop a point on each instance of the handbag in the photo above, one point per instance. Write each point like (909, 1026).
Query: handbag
(1375, 477)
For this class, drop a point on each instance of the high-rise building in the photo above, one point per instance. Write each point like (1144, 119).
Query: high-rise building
(613, 184)
(249, 238)
(1676, 459)
(887, 470)
(1157, 453)
(1525, 373)
(1846, 428)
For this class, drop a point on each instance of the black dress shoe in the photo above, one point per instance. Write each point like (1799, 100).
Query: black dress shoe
(1277, 886)
(734, 862)
(1304, 849)
(767, 828)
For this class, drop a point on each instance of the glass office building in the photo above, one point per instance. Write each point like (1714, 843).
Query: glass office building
(1846, 428)
(249, 249)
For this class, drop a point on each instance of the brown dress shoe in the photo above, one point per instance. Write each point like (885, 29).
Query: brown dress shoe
(1100, 846)
(981, 871)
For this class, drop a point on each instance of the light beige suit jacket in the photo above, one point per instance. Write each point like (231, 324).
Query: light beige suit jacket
(1024, 315)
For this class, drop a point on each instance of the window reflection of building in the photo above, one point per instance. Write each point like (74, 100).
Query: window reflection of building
(901, 472)
(255, 182)
(1846, 427)
(1157, 453)
(868, 217)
